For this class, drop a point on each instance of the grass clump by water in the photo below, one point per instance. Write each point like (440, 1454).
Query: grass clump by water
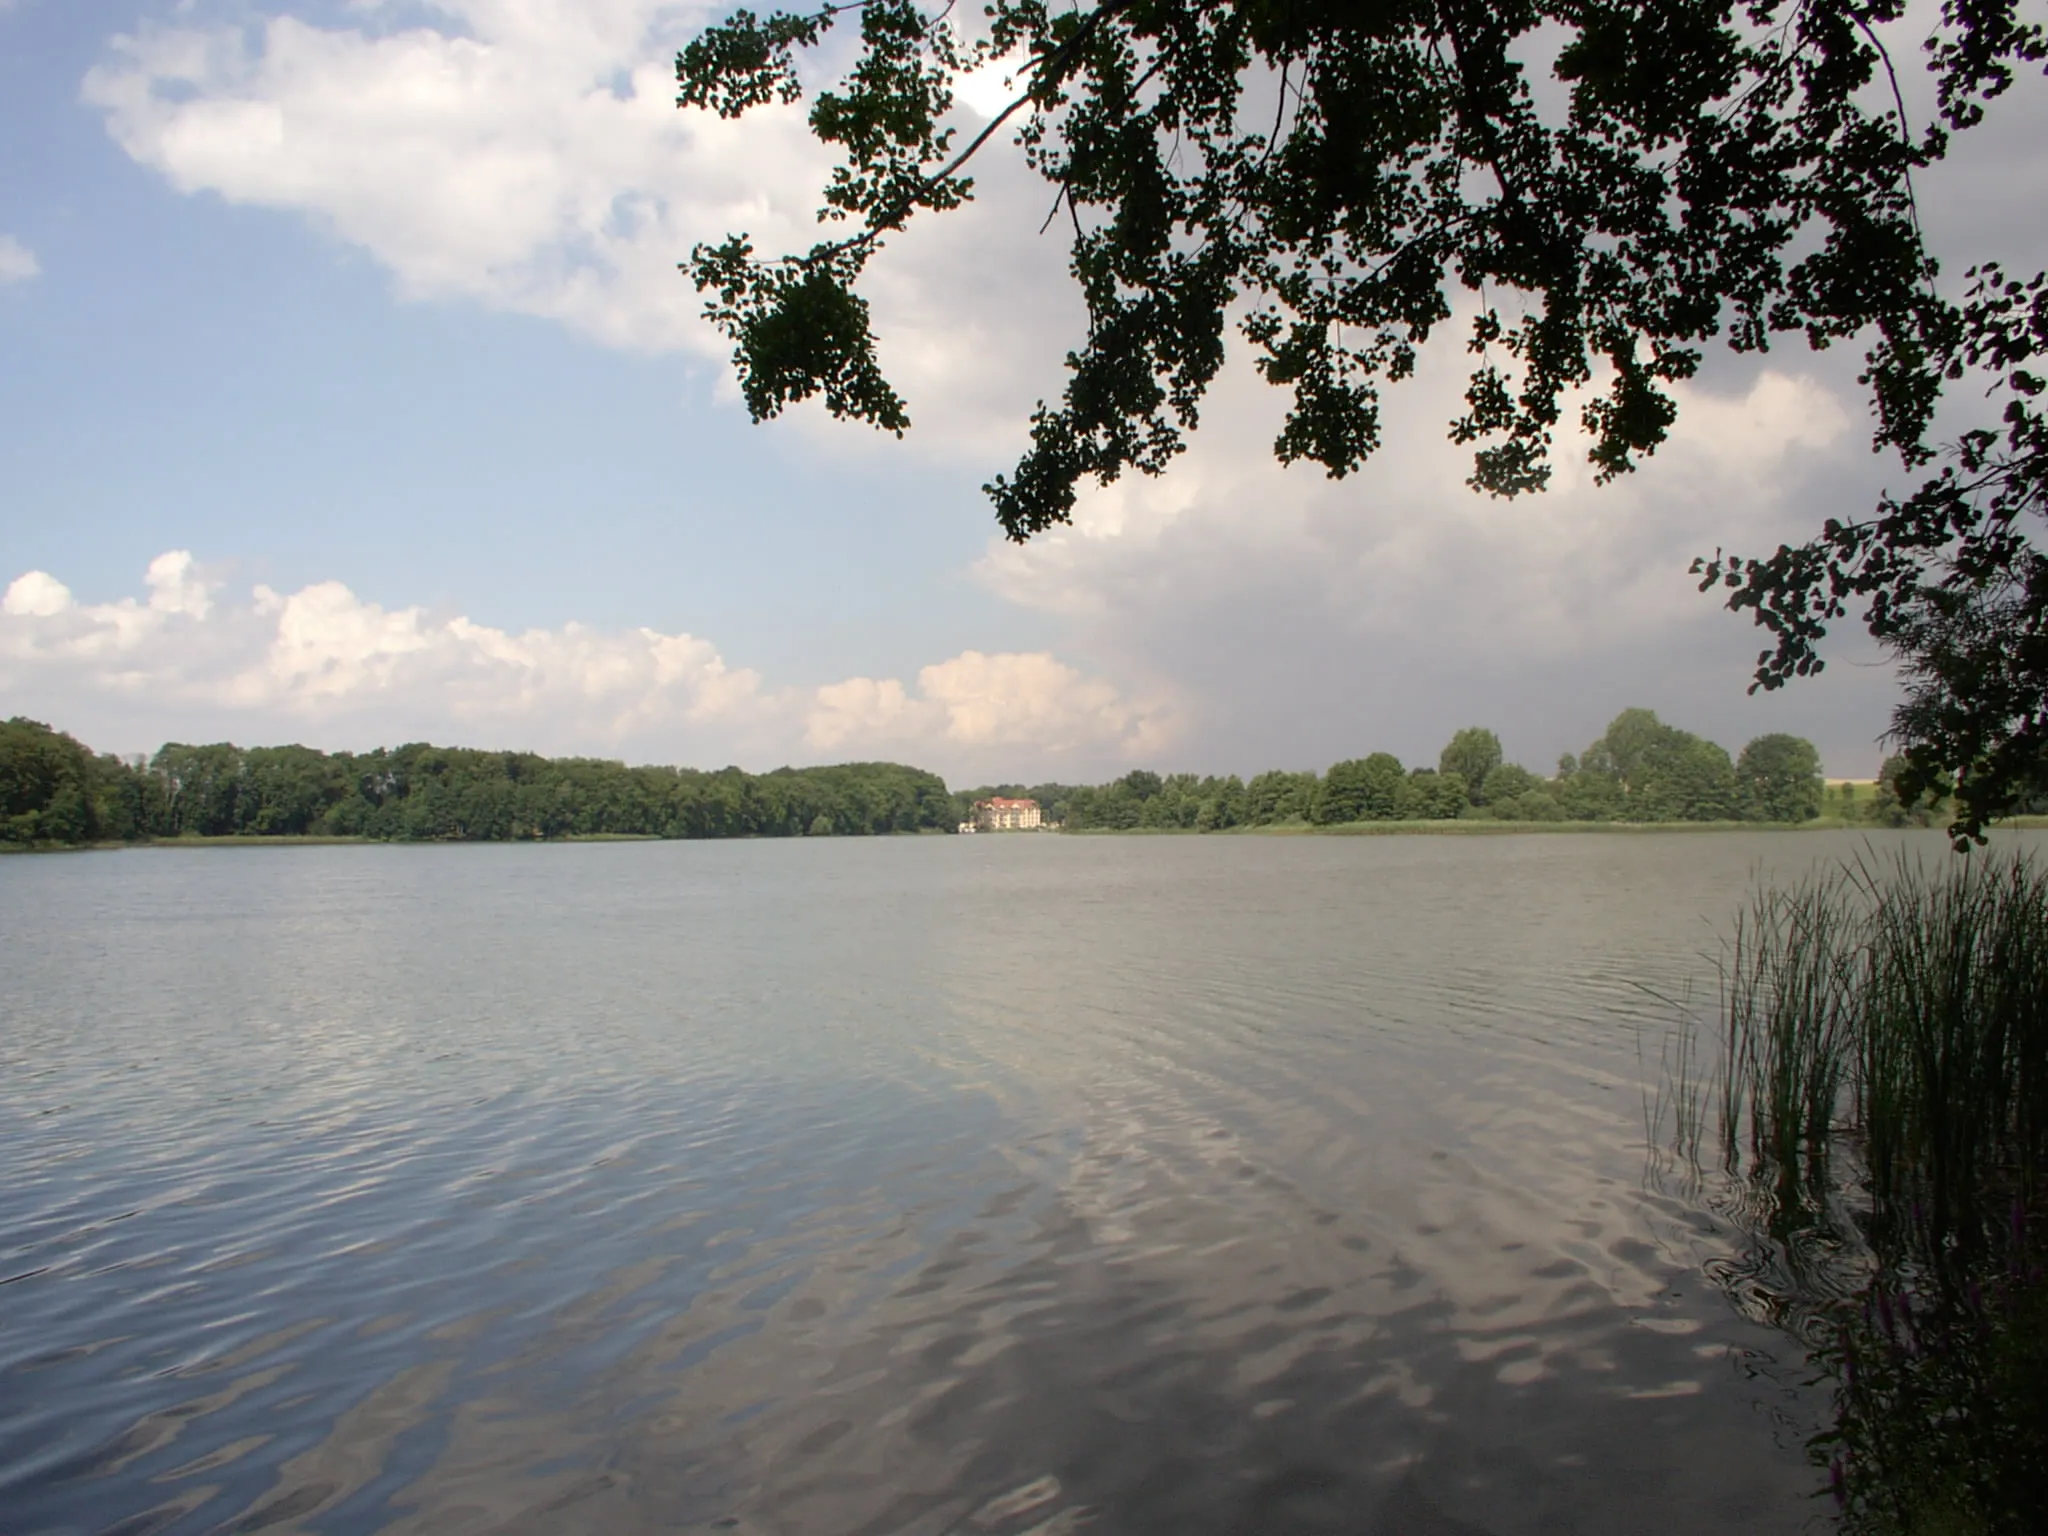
(1903, 1014)
(1883, 1086)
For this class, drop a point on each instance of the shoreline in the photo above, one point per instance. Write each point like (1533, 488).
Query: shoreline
(1476, 828)
(1481, 828)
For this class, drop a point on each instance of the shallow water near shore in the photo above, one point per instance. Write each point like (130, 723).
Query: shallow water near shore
(923, 1185)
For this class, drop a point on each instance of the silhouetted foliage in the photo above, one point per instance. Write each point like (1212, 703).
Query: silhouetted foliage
(1341, 181)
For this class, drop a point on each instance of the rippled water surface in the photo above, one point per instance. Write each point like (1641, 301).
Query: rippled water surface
(989, 1185)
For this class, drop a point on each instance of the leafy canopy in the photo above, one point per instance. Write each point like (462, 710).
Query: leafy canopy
(1341, 180)
(1780, 778)
(1472, 753)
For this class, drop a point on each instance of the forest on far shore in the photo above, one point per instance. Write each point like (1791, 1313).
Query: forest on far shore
(1640, 770)
(54, 791)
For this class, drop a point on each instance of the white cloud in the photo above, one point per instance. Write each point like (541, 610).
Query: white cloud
(531, 157)
(325, 665)
(17, 262)
(993, 87)
(36, 594)
(1015, 714)
(1305, 620)
(177, 586)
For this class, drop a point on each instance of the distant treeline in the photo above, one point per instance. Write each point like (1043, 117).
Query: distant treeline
(1640, 770)
(53, 790)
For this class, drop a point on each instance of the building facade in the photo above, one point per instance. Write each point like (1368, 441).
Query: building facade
(1002, 814)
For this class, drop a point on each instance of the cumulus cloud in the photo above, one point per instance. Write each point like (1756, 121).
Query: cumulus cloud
(327, 666)
(17, 262)
(325, 660)
(1308, 620)
(531, 157)
(36, 595)
(527, 155)
(1016, 715)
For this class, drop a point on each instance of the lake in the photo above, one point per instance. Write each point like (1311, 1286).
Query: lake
(983, 1185)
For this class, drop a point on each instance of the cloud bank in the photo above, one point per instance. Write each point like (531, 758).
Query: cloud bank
(186, 660)
(1304, 620)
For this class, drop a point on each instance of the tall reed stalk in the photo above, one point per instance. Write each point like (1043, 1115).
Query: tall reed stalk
(1787, 993)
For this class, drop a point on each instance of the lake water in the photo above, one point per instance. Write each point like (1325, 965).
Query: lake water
(981, 1185)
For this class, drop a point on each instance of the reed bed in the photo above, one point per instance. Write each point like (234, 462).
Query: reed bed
(1901, 1013)
(1882, 1089)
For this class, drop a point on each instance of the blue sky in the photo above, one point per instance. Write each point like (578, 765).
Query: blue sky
(238, 381)
(358, 326)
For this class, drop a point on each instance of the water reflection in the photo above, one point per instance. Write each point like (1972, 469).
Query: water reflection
(917, 1186)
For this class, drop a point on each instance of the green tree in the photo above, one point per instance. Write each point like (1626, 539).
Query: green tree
(1342, 796)
(1630, 745)
(123, 805)
(1897, 800)
(200, 787)
(1362, 789)
(1432, 795)
(1780, 779)
(1278, 796)
(54, 790)
(1339, 183)
(46, 782)
(1657, 773)
(1385, 781)
(1505, 781)
(285, 791)
(1472, 754)
(1142, 784)
(1536, 803)
(1588, 794)
(1222, 804)
(1513, 793)
(1690, 779)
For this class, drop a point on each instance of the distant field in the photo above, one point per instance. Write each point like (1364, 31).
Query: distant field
(1846, 800)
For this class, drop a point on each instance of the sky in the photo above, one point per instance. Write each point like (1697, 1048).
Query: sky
(351, 396)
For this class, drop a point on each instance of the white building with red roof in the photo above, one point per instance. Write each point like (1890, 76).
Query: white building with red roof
(1002, 814)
